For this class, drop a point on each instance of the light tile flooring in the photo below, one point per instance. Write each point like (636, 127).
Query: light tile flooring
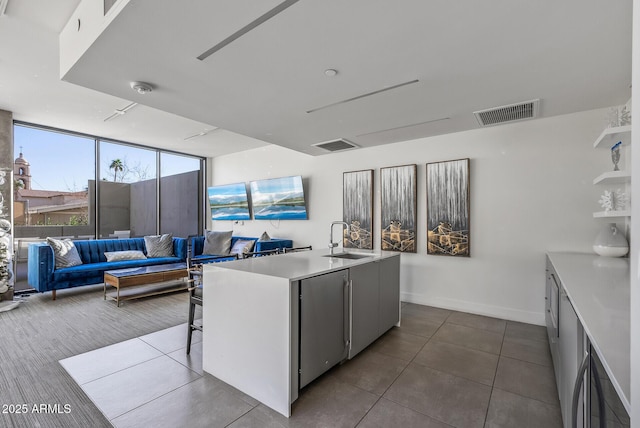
(439, 369)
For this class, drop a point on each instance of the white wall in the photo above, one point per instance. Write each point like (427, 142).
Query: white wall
(531, 192)
(635, 226)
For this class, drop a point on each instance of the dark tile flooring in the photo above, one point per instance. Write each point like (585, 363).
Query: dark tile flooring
(439, 369)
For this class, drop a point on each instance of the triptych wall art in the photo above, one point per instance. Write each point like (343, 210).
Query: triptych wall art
(448, 208)
(398, 208)
(357, 209)
(448, 217)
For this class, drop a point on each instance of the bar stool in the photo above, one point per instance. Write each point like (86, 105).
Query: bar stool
(195, 298)
(262, 253)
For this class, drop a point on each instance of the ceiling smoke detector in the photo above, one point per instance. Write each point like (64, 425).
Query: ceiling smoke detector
(141, 87)
(509, 113)
(336, 145)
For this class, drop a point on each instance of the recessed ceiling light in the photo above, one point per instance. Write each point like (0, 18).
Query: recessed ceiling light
(141, 87)
(120, 112)
(330, 72)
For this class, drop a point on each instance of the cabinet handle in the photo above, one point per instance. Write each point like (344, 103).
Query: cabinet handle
(600, 394)
(345, 317)
(577, 386)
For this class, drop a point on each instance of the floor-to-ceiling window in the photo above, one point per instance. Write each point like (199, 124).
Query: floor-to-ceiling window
(82, 187)
(52, 175)
(127, 190)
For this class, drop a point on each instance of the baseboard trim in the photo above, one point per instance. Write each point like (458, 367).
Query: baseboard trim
(476, 308)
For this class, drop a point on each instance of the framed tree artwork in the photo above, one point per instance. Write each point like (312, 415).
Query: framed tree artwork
(448, 208)
(398, 208)
(357, 208)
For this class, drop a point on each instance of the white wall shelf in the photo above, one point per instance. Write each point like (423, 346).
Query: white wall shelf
(613, 177)
(610, 136)
(612, 214)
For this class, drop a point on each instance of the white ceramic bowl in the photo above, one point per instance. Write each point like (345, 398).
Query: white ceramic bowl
(610, 251)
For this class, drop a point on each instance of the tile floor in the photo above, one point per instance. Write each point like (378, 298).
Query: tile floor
(439, 369)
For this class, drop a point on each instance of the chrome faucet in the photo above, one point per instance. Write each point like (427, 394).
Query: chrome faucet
(332, 244)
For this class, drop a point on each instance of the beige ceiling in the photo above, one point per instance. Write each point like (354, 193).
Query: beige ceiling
(269, 85)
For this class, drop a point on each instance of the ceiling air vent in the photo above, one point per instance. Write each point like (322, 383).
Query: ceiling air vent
(336, 145)
(509, 113)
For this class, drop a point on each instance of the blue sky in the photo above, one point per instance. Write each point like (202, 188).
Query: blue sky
(66, 162)
(227, 193)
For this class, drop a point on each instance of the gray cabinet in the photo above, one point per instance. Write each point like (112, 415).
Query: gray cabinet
(343, 312)
(552, 298)
(375, 301)
(365, 306)
(566, 343)
(389, 293)
(323, 323)
(570, 352)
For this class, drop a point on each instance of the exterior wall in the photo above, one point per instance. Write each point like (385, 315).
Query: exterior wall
(178, 213)
(115, 199)
(531, 192)
(143, 208)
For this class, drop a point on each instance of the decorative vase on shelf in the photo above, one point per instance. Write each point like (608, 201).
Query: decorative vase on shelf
(610, 242)
(615, 155)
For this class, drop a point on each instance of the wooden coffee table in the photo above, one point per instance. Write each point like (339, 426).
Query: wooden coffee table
(145, 281)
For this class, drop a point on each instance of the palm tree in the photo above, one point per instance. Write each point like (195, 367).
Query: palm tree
(116, 165)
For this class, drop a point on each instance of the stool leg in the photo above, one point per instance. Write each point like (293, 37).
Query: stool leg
(192, 312)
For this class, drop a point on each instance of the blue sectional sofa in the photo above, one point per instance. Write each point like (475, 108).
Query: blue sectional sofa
(197, 246)
(43, 276)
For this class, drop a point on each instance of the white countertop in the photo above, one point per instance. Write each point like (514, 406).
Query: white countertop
(302, 264)
(599, 289)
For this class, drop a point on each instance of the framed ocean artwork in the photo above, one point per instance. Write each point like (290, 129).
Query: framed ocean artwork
(448, 208)
(229, 202)
(357, 208)
(278, 199)
(398, 208)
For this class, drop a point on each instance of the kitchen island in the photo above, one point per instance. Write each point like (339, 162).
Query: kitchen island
(272, 324)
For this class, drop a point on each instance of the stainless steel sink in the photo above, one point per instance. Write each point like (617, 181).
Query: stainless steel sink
(352, 256)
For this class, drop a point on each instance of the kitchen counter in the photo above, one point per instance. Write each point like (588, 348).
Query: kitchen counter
(599, 289)
(303, 264)
(251, 315)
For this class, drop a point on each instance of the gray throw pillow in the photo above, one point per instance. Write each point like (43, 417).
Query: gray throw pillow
(242, 246)
(217, 243)
(264, 237)
(159, 245)
(66, 254)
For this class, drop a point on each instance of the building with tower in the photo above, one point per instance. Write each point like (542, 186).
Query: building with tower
(45, 207)
(22, 172)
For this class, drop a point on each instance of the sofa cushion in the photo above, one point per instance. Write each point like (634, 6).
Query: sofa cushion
(242, 246)
(116, 256)
(159, 245)
(217, 242)
(87, 271)
(65, 253)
